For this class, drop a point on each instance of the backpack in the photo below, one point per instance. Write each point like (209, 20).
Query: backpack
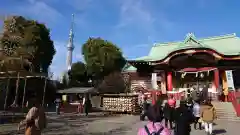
(208, 114)
(153, 133)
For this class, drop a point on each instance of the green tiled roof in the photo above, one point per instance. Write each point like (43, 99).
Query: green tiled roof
(129, 68)
(225, 44)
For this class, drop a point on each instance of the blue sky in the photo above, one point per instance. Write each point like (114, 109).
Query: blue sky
(133, 25)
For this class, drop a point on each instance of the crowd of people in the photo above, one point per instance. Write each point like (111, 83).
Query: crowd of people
(164, 116)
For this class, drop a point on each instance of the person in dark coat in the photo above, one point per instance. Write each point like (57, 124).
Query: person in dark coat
(205, 93)
(155, 111)
(160, 99)
(168, 112)
(183, 117)
(189, 103)
(196, 95)
(145, 106)
(58, 104)
(87, 105)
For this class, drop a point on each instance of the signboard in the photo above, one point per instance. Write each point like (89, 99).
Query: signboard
(230, 82)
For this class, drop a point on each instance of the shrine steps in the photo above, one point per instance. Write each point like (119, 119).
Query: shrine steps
(225, 111)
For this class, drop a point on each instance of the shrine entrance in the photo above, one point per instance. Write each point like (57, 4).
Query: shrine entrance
(193, 69)
(191, 77)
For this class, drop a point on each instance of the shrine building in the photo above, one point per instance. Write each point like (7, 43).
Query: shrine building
(194, 62)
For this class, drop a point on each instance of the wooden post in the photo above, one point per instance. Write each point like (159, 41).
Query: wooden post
(216, 78)
(7, 92)
(169, 81)
(24, 92)
(15, 102)
(44, 91)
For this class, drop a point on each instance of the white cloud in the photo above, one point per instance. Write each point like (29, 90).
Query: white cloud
(79, 56)
(77, 53)
(134, 12)
(142, 50)
(79, 8)
(80, 5)
(41, 11)
(60, 49)
(80, 21)
(59, 61)
(139, 13)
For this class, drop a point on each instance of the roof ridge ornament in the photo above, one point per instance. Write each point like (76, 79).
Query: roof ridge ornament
(190, 38)
(190, 35)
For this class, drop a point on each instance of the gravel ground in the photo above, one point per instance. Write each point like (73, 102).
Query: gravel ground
(98, 124)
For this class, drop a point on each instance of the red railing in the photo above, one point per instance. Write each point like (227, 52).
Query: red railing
(232, 97)
(176, 95)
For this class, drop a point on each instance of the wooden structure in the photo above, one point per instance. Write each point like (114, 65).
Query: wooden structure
(73, 97)
(78, 90)
(123, 103)
(175, 66)
(73, 94)
(15, 63)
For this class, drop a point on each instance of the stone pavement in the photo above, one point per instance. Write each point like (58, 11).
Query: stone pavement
(95, 124)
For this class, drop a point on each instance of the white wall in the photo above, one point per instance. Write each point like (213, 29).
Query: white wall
(96, 101)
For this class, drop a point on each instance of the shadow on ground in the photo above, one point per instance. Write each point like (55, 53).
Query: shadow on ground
(53, 128)
(119, 131)
(219, 131)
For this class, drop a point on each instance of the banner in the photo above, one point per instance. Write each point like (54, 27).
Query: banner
(229, 77)
(154, 81)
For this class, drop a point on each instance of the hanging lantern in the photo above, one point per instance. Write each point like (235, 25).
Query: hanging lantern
(183, 75)
(201, 75)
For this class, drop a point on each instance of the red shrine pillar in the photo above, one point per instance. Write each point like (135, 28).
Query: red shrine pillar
(169, 81)
(216, 78)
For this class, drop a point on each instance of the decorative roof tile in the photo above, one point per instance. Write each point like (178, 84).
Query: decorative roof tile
(129, 68)
(226, 44)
